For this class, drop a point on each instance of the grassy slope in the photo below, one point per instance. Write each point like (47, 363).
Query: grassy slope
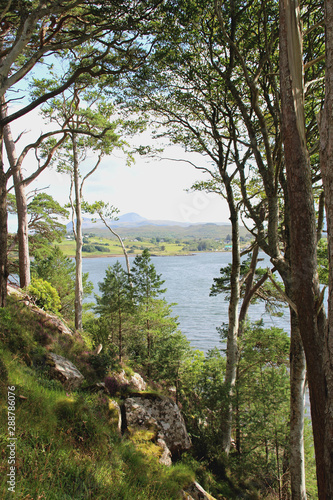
(67, 447)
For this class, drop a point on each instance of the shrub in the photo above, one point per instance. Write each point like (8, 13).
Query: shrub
(101, 248)
(100, 363)
(113, 385)
(44, 294)
(88, 248)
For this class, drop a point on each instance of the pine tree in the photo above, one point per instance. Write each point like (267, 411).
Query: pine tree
(115, 301)
(146, 288)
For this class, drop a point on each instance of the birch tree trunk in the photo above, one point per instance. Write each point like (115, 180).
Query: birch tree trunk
(232, 353)
(78, 237)
(297, 403)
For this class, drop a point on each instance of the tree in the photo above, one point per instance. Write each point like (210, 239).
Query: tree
(305, 283)
(146, 288)
(106, 211)
(115, 301)
(223, 103)
(36, 33)
(43, 224)
(86, 115)
(326, 134)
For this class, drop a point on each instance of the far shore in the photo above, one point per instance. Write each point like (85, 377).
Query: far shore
(94, 256)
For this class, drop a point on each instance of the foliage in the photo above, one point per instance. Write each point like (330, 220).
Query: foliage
(44, 295)
(44, 223)
(133, 322)
(115, 302)
(59, 270)
(261, 409)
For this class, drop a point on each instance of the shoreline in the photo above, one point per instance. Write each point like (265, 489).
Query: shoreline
(152, 255)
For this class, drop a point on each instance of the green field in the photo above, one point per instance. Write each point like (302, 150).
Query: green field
(113, 247)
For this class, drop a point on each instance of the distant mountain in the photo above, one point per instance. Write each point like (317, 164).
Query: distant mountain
(132, 225)
(133, 220)
(131, 217)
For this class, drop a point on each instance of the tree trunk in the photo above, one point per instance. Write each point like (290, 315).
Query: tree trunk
(232, 340)
(326, 163)
(297, 403)
(248, 294)
(79, 242)
(3, 228)
(21, 205)
(120, 336)
(303, 228)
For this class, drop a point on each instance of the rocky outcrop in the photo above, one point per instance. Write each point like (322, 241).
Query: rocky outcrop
(48, 319)
(62, 369)
(164, 415)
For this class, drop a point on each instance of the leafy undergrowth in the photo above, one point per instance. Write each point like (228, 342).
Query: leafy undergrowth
(67, 446)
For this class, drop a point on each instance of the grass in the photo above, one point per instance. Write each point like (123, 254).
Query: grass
(68, 446)
(132, 247)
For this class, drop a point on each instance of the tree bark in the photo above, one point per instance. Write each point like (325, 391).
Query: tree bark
(232, 339)
(297, 403)
(78, 237)
(3, 227)
(305, 284)
(21, 205)
(326, 164)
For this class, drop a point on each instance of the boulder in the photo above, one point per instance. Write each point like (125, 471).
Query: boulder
(135, 382)
(138, 383)
(166, 416)
(165, 458)
(62, 369)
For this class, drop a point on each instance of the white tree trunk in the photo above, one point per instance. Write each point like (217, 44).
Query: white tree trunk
(297, 403)
(233, 316)
(79, 241)
(22, 213)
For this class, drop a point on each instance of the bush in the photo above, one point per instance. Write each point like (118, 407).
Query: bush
(89, 248)
(101, 248)
(44, 294)
(100, 362)
(113, 385)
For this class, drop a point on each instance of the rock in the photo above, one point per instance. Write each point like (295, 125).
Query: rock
(62, 369)
(165, 458)
(196, 492)
(50, 320)
(136, 382)
(165, 414)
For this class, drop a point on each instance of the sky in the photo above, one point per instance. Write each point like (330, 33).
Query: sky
(152, 188)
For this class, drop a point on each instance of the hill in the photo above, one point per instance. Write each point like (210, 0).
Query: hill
(132, 225)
